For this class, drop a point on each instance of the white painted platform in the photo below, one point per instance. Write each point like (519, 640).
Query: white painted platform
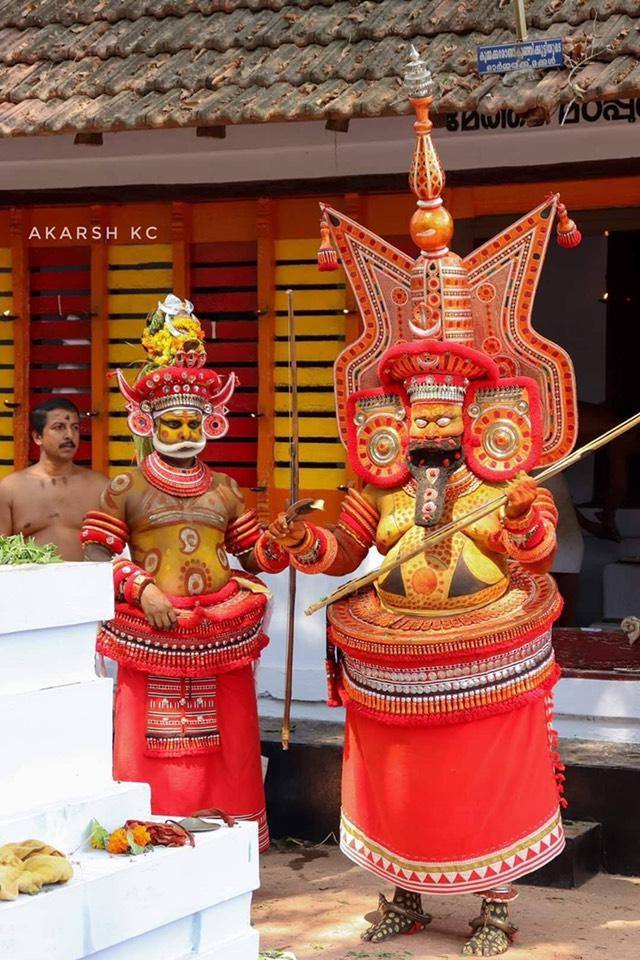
(605, 710)
(55, 777)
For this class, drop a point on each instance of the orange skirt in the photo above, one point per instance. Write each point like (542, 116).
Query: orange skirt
(451, 809)
(229, 777)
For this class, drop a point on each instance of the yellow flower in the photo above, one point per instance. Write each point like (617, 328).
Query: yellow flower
(118, 842)
(163, 346)
(141, 835)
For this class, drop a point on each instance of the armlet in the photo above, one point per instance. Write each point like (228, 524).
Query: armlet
(105, 530)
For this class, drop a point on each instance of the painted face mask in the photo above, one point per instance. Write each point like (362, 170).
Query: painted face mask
(178, 433)
(435, 449)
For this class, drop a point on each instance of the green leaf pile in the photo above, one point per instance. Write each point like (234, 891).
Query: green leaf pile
(98, 836)
(15, 550)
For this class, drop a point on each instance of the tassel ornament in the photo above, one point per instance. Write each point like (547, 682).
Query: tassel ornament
(327, 255)
(568, 234)
(333, 690)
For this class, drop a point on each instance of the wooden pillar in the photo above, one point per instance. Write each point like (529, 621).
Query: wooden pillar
(22, 336)
(180, 239)
(265, 214)
(99, 343)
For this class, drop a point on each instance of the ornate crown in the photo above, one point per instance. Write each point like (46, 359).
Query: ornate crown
(452, 310)
(174, 333)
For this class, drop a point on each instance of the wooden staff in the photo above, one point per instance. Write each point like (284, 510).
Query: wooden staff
(484, 510)
(294, 465)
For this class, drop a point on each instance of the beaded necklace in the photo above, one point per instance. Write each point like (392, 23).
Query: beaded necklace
(177, 481)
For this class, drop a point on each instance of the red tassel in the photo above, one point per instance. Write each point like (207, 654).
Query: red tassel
(327, 255)
(568, 234)
(333, 693)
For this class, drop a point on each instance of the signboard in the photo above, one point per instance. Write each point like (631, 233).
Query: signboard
(569, 115)
(532, 54)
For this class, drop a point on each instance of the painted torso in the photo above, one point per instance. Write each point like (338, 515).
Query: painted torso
(462, 572)
(180, 540)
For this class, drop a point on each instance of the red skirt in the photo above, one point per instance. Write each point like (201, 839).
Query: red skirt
(229, 777)
(448, 809)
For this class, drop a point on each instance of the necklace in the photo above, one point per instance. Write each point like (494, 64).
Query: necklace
(459, 485)
(179, 482)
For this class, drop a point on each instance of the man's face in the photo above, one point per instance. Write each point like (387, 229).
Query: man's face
(60, 436)
(178, 433)
(434, 425)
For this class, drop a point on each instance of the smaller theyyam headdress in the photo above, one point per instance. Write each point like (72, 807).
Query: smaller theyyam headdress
(174, 335)
(174, 376)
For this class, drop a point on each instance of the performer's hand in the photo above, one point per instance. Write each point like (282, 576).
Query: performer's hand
(521, 493)
(287, 533)
(157, 608)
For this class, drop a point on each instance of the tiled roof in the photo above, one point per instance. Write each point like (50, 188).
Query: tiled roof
(70, 66)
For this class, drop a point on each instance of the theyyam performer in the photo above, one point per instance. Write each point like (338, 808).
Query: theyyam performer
(448, 398)
(187, 628)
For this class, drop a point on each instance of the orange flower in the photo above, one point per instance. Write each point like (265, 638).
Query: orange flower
(141, 836)
(118, 842)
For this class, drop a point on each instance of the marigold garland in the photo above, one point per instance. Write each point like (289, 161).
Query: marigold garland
(118, 842)
(163, 345)
(132, 839)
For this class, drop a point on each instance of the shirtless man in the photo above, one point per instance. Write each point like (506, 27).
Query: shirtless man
(48, 501)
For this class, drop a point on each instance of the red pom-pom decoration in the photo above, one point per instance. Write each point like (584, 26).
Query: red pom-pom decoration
(327, 255)
(568, 234)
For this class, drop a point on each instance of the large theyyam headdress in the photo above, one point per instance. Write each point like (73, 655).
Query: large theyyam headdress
(446, 320)
(173, 377)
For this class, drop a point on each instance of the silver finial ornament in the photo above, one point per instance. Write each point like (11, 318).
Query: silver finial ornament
(417, 77)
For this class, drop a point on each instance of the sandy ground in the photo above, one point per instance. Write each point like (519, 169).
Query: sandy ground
(312, 903)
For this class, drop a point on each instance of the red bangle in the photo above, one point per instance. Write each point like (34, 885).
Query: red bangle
(356, 528)
(270, 556)
(134, 586)
(242, 533)
(122, 569)
(110, 541)
(320, 556)
(107, 522)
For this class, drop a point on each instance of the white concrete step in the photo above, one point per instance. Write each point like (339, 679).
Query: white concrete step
(608, 699)
(173, 942)
(28, 664)
(621, 590)
(43, 596)
(168, 904)
(55, 744)
(66, 825)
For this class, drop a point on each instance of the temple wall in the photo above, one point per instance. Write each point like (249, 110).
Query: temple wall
(80, 305)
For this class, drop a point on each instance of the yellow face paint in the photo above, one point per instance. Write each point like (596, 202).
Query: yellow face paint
(431, 419)
(179, 426)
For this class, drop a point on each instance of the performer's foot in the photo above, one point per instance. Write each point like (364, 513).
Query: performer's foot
(492, 931)
(403, 915)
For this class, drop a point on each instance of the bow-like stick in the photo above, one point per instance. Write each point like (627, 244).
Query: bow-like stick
(294, 464)
(482, 511)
